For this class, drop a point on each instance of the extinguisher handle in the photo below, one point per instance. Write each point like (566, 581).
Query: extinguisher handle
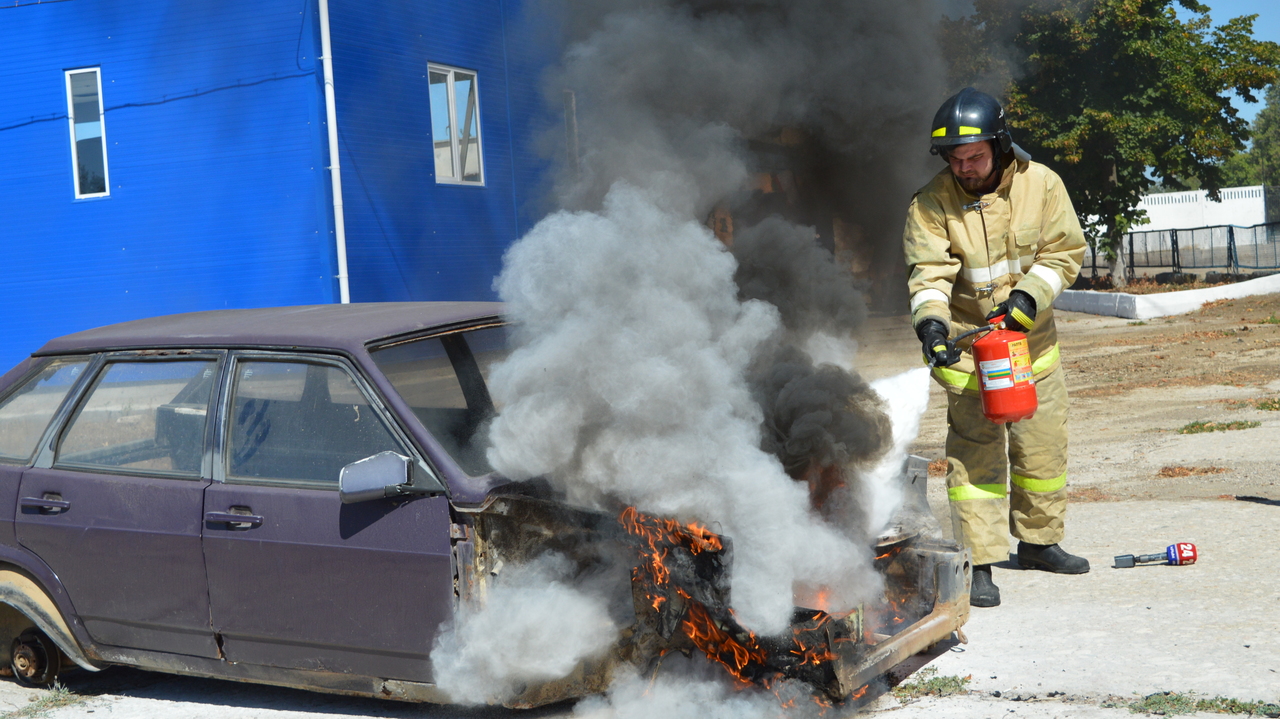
(953, 353)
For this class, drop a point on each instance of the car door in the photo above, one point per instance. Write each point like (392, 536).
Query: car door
(115, 506)
(25, 414)
(297, 579)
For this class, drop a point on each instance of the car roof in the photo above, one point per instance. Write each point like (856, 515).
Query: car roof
(346, 328)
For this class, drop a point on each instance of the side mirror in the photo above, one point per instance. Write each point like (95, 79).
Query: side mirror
(386, 474)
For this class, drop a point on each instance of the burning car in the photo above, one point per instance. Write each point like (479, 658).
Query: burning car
(300, 497)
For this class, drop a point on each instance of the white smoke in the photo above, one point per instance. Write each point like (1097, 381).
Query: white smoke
(533, 627)
(906, 396)
(824, 348)
(628, 381)
(678, 695)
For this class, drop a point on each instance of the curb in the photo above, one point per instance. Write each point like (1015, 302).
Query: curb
(1144, 307)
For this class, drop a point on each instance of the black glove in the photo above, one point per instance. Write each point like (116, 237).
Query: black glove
(933, 334)
(1019, 311)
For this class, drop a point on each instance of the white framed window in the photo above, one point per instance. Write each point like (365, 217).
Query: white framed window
(455, 125)
(88, 133)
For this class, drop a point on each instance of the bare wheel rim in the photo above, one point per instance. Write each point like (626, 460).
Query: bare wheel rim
(27, 661)
(34, 659)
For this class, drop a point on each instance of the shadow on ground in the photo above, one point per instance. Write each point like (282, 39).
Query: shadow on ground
(134, 683)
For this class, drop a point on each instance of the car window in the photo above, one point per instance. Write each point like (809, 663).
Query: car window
(143, 416)
(25, 414)
(444, 380)
(298, 421)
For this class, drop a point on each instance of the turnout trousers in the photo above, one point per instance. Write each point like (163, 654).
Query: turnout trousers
(1014, 472)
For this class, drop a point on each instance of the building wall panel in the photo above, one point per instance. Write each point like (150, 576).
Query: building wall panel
(408, 237)
(216, 164)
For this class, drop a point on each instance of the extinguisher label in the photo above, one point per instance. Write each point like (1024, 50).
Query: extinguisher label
(1020, 357)
(996, 374)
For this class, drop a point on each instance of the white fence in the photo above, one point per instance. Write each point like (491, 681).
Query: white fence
(1240, 206)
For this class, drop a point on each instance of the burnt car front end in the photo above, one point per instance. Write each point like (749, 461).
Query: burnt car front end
(677, 578)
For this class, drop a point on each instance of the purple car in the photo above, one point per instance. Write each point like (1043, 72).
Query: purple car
(300, 496)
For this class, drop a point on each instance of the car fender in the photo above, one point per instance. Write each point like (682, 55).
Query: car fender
(24, 594)
(31, 588)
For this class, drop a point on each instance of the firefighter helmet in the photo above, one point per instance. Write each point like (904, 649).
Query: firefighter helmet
(970, 116)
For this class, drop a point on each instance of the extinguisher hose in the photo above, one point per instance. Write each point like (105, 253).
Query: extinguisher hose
(951, 343)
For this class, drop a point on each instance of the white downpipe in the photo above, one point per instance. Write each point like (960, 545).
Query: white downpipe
(335, 171)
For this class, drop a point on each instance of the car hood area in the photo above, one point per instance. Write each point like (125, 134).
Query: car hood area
(674, 579)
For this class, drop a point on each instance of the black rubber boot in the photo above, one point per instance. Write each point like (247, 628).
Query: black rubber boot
(984, 592)
(1050, 558)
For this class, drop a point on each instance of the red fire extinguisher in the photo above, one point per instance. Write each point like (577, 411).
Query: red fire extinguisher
(1002, 359)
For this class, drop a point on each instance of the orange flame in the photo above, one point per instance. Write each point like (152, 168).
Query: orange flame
(654, 530)
(738, 651)
(718, 644)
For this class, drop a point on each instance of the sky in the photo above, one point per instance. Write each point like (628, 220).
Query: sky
(1266, 27)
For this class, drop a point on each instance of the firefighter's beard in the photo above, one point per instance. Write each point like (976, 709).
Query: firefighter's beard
(980, 185)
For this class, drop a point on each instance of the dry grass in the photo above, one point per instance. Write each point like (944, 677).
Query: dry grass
(1174, 703)
(1181, 471)
(1148, 286)
(1090, 494)
(38, 705)
(1201, 426)
(1267, 404)
(929, 683)
(938, 468)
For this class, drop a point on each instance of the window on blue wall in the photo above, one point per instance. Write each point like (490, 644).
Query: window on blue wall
(455, 125)
(88, 136)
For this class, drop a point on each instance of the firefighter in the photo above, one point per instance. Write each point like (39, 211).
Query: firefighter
(994, 233)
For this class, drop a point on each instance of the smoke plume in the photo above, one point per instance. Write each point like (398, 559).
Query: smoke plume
(685, 323)
(628, 384)
(535, 626)
(825, 102)
(692, 696)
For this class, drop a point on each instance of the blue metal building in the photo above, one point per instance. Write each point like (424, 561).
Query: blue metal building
(162, 156)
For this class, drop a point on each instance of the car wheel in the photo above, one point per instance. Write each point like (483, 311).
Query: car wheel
(35, 659)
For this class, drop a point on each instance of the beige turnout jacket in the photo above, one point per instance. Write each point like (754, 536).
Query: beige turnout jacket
(966, 258)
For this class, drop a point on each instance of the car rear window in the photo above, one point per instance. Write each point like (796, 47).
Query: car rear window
(444, 380)
(146, 417)
(25, 414)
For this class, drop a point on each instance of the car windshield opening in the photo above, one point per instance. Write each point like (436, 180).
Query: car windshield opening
(444, 380)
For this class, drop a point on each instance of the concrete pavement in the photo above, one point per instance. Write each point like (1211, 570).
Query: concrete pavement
(1212, 628)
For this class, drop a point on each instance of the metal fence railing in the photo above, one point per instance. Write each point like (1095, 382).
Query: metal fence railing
(1224, 247)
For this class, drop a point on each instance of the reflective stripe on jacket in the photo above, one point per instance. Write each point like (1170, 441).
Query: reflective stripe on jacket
(1022, 236)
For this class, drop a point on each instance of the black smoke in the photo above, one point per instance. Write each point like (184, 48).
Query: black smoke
(798, 130)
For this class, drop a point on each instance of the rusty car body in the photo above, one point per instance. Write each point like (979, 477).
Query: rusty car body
(170, 499)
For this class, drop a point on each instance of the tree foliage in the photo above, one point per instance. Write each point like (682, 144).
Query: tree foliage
(1260, 165)
(1107, 91)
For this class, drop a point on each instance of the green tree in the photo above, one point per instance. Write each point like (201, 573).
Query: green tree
(1105, 91)
(1260, 164)
(1241, 170)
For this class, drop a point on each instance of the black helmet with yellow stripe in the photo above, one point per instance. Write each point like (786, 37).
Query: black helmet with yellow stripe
(970, 116)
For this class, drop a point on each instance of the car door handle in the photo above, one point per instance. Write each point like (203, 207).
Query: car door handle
(48, 504)
(247, 520)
